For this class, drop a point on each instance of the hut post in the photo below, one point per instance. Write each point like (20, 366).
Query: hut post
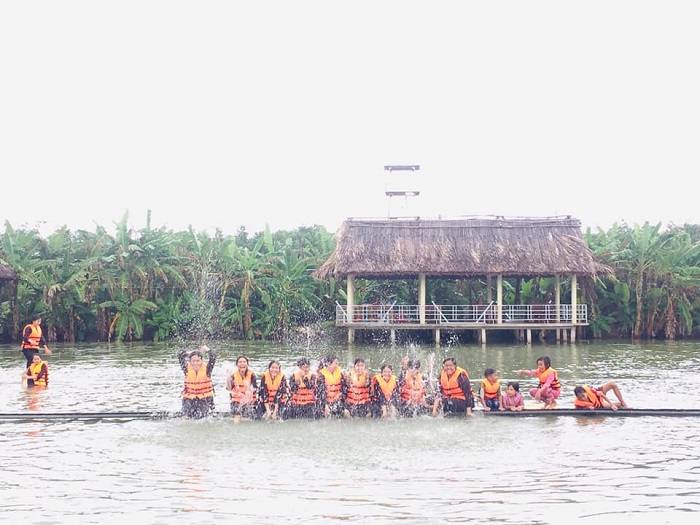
(421, 297)
(574, 319)
(489, 286)
(499, 298)
(350, 292)
(557, 304)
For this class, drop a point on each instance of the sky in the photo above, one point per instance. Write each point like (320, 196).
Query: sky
(224, 114)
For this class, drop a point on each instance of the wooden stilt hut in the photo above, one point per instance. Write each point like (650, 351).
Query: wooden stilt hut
(480, 248)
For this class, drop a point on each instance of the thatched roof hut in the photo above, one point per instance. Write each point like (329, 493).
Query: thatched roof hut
(458, 248)
(7, 273)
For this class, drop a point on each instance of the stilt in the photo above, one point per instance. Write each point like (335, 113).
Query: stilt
(351, 335)
(393, 336)
(557, 334)
(483, 336)
(529, 336)
(573, 335)
(437, 337)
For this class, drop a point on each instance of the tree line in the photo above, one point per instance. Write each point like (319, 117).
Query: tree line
(156, 284)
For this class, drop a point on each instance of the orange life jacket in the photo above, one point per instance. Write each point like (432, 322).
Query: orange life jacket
(450, 385)
(592, 402)
(491, 390)
(197, 384)
(334, 384)
(542, 376)
(35, 369)
(241, 389)
(387, 387)
(304, 395)
(273, 386)
(413, 389)
(34, 337)
(358, 389)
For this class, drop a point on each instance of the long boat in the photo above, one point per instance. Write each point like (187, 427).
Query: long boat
(160, 414)
(605, 412)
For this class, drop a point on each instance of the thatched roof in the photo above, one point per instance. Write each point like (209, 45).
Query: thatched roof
(465, 247)
(7, 273)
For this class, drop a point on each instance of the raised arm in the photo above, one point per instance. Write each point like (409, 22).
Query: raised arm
(182, 358)
(211, 361)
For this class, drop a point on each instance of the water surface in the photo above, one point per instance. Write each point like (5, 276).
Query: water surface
(504, 470)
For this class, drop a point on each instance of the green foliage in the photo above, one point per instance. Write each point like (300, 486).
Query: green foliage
(155, 283)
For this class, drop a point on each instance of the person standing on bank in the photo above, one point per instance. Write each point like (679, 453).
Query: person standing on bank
(33, 340)
(198, 394)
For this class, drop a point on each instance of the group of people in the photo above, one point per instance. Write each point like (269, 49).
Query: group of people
(327, 392)
(358, 393)
(585, 396)
(37, 372)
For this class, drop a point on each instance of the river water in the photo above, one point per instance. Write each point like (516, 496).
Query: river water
(503, 470)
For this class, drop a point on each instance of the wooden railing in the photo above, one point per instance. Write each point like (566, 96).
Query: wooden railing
(442, 314)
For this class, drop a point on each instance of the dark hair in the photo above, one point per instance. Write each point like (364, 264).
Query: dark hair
(546, 360)
(303, 361)
(515, 385)
(414, 363)
(359, 360)
(489, 371)
(195, 353)
(579, 390)
(274, 361)
(451, 359)
(36, 317)
(247, 362)
(330, 358)
(385, 365)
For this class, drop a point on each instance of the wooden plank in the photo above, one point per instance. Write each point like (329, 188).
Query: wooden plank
(155, 415)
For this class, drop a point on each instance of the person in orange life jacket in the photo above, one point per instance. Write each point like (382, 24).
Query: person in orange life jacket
(198, 393)
(302, 392)
(358, 402)
(549, 387)
(33, 339)
(413, 386)
(455, 395)
(512, 400)
(490, 390)
(243, 385)
(331, 388)
(587, 397)
(385, 393)
(273, 392)
(37, 374)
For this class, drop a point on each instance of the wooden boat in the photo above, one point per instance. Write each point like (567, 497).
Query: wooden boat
(605, 412)
(160, 414)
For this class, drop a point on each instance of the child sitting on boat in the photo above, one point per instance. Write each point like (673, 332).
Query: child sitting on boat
(512, 399)
(490, 390)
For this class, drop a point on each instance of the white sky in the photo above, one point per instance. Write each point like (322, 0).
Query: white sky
(228, 114)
